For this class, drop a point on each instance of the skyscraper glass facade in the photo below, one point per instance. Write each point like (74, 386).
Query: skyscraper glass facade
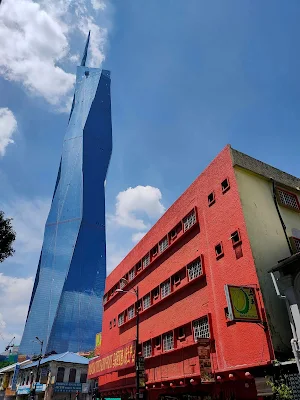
(65, 309)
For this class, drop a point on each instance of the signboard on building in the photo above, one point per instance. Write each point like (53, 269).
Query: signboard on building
(23, 389)
(206, 373)
(98, 343)
(40, 387)
(242, 304)
(15, 377)
(123, 357)
(67, 387)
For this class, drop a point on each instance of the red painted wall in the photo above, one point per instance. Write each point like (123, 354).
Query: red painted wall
(238, 345)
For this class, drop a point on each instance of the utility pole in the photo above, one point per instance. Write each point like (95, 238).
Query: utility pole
(33, 393)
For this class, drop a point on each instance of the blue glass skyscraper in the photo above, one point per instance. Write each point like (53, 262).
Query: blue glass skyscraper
(65, 309)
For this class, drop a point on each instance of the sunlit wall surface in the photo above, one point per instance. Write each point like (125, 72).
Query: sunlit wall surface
(66, 304)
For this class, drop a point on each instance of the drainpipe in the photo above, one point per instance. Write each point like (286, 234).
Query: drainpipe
(280, 217)
(294, 340)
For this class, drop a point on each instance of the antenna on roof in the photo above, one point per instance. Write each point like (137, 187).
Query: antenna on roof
(83, 61)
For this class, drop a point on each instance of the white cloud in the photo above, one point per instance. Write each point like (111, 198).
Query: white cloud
(35, 39)
(8, 125)
(74, 58)
(14, 299)
(98, 4)
(29, 217)
(136, 237)
(135, 201)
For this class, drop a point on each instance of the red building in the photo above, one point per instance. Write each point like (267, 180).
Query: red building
(210, 320)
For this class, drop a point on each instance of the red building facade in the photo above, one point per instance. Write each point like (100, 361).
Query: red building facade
(181, 268)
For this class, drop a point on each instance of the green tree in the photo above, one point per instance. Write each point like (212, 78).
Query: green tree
(7, 237)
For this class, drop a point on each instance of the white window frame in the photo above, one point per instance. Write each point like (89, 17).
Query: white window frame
(189, 221)
(195, 269)
(131, 274)
(121, 319)
(147, 301)
(131, 312)
(165, 289)
(147, 349)
(163, 244)
(146, 261)
(168, 341)
(201, 328)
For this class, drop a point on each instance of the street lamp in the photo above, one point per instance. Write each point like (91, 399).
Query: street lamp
(135, 291)
(41, 342)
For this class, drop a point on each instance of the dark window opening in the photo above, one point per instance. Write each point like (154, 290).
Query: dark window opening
(211, 198)
(154, 251)
(83, 377)
(225, 185)
(110, 324)
(72, 375)
(235, 237)
(155, 293)
(139, 266)
(173, 233)
(139, 305)
(176, 279)
(181, 332)
(60, 374)
(219, 250)
(226, 311)
(157, 341)
(115, 322)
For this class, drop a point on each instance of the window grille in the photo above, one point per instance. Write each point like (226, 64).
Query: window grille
(146, 261)
(195, 269)
(189, 221)
(201, 328)
(146, 301)
(163, 244)
(297, 244)
(122, 283)
(121, 319)
(288, 199)
(131, 312)
(165, 289)
(168, 341)
(131, 274)
(147, 349)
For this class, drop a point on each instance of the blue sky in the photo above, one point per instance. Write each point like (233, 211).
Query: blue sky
(187, 78)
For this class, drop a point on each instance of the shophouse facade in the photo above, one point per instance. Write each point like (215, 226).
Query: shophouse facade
(211, 323)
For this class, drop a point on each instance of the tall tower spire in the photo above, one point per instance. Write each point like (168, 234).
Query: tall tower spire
(83, 61)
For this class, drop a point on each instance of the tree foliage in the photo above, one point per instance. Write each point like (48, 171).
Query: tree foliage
(7, 237)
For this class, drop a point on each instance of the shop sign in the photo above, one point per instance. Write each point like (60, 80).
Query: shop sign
(205, 361)
(15, 377)
(39, 387)
(123, 357)
(23, 389)
(67, 387)
(85, 387)
(242, 304)
(9, 392)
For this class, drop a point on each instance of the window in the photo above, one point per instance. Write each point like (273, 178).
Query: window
(146, 301)
(163, 244)
(72, 375)
(225, 185)
(147, 349)
(155, 293)
(189, 221)
(121, 319)
(288, 199)
(131, 312)
(219, 250)
(139, 305)
(83, 377)
(105, 299)
(211, 199)
(115, 322)
(60, 374)
(194, 269)
(131, 274)
(173, 233)
(146, 261)
(168, 341)
(138, 266)
(181, 333)
(165, 289)
(157, 341)
(176, 279)
(154, 251)
(110, 324)
(201, 328)
(122, 283)
(235, 237)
